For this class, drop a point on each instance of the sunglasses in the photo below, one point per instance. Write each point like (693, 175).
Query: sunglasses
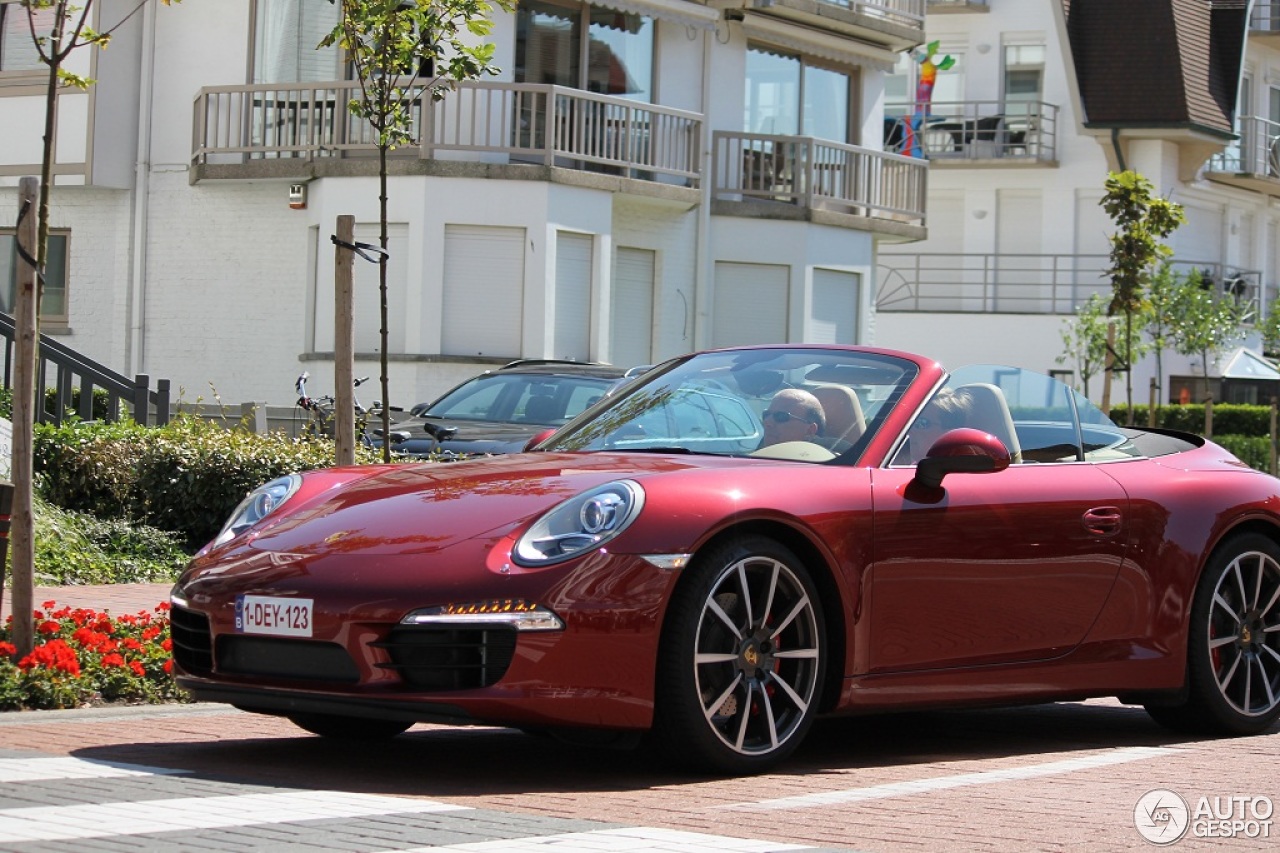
(780, 417)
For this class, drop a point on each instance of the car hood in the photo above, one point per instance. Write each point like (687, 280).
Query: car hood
(434, 435)
(420, 509)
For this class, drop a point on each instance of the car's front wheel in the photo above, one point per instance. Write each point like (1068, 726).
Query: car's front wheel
(1233, 653)
(743, 651)
(349, 728)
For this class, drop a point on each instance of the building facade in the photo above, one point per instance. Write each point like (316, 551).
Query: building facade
(1044, 99)
(641, 179)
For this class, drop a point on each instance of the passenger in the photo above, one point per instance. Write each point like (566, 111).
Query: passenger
(948, 410)
(793, 415)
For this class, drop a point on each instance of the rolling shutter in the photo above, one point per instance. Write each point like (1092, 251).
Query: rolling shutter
(483, 291)
(632, 326)
(833, 316)
(572, 337)
(750, 304)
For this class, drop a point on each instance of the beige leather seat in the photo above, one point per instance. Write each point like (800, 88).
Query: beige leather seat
(990, 413)
(844, 412)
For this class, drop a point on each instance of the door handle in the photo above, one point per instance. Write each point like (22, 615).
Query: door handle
(1103, 520)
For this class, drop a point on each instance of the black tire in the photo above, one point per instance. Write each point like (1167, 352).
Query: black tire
(349, 728)
(743, 650)
(1233, 645)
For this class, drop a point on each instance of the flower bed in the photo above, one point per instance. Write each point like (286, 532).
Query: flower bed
(86, 657)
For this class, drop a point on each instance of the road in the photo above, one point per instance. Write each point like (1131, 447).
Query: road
(208, 777)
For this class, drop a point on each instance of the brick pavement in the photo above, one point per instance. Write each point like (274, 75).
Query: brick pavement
(117, 598)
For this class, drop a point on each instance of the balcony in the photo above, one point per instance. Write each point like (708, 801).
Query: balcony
(972, 134)
(949, 6)
(1264, 23)
(303, 131)
(1023, 284)
(895, 25)
(801, 177)
(1253, 161)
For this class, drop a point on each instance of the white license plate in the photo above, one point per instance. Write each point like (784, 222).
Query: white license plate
(281, 617)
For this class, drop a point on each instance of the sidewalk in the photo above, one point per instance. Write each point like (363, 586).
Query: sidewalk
(118, 599)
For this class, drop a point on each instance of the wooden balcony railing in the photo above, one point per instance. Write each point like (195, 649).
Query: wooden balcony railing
(523, 122)
(816, 173)
(963, 131)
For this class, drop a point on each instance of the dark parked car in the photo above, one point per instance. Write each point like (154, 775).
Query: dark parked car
(500, 410)
(658, 568)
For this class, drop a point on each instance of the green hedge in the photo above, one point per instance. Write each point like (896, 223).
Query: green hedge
(186, 477)
(1228, 418)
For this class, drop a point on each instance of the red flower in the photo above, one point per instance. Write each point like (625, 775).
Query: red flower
(168, 665)
(48, 627)
(49, 605)
(112, 659)
(167, 645)
(131, 644)
(152, 632)
(55, 654)
(8, 649)
(137, 668)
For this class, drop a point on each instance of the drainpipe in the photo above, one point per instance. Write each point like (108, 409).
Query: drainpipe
(136, 308)
(704, 270)
(1115, 146)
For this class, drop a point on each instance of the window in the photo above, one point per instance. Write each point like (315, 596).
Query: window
(17, 52)
(1023, 79)
(791, 95)
(286, 33)
(53, 304)
(616, 57)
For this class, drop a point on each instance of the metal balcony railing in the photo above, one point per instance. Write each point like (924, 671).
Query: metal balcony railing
(520, 122)
(1265, 16)
(977, 130)
(1256, 152)
(904, 12)
(958, 5)
(817, 173)
(1024, 284)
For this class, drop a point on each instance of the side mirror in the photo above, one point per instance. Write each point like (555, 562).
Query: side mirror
(538, 439)
(963, 450)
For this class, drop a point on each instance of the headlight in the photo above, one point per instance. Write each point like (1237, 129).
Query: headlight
(580, 524)
(260, 503)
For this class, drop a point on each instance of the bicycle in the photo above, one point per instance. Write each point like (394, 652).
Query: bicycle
(319, 421)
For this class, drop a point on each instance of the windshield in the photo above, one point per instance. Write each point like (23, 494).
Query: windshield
(806, 404)
(542, 399)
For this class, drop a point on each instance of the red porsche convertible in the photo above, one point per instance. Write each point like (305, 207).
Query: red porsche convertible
(742, 540)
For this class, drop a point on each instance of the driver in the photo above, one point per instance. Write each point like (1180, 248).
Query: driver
(792, 415)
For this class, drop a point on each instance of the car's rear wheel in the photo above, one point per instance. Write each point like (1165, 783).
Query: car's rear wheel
(743, 650)
(1233, 653)
(349, 728)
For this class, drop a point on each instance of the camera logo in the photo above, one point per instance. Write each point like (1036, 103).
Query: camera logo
(1161, 816)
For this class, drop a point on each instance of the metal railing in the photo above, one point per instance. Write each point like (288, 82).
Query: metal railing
(1265, 16)
(65, 370)
(976, 130)
(957, 5)
(527, 122)
(905, 12)
(817, 173)
(1024, 283)
(1256, 152)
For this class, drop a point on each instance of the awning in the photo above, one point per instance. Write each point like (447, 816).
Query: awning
(842, 49)
(677, 11)
(1247, 364)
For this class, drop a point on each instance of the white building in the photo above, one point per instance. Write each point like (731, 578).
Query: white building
(1047, 96)
(644, 178)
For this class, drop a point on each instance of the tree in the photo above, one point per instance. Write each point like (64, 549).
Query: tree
(1207, 322)
(1161, 313)
(57, 28)
(1084, 339)
(405, 52)
(1142, 223)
